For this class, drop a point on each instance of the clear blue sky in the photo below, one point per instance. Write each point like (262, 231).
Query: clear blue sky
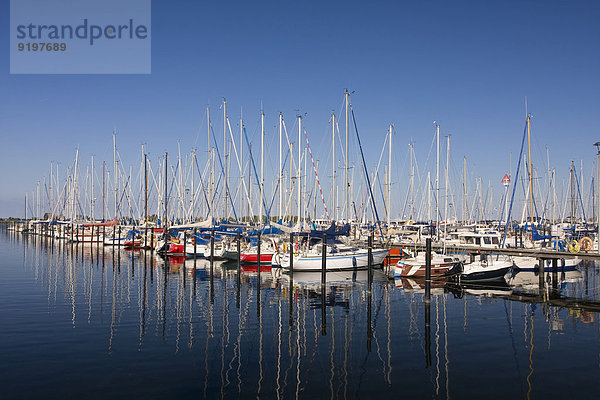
(467, 65)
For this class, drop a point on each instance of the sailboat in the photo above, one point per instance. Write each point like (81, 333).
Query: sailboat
(308, 252)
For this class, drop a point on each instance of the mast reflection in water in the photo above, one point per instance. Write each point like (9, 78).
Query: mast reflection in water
(94, 321)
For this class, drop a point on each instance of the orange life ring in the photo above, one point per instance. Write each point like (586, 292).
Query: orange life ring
(586, 243)
(586, 317)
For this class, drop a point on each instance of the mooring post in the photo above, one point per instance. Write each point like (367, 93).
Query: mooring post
(521, 237)
(369, 317)
(195, 244)
(542, 280)
(184, 246)
(428, 270)
(370, 260)
(258, 238)
(427, 333)
(555, 273)
(324, 261)
(212, 250)
(291, 288)
(291, 256)
(258, 297)
(323, 287)
(238, 278)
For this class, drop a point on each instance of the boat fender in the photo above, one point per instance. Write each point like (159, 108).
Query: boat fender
(574, 246)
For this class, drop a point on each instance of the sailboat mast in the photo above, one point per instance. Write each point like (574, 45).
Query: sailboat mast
(262, 165)
(115, 169)
(347, 183)
(280, 172)
(447, 185)
(166, 193)
(412, 185)
(465, 216)
(226, 186)
(530, 169)
(146, 189)
(50, 198)
(75, 186)
(437, 179)
(193, 198)
(389, 181)
(241, 162)
(210, 161)
(429, 219)
(333, 166)
(315, 192)
(298, 180)
(92, 192)
(103, 189)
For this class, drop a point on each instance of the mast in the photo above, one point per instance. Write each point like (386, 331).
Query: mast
(315, 191)
(115, 169)
(103, 189)
(530, 170)
(429, 219)
(50, 198)
(465, 216)
(166, 193)
(242, 156)
(437, 180)
(299, 160)
(262, 164)
(75, 185)
(146, 189)
(347, 205)
(280, 172)
(412, 185)
(304, 210)
(333, 166)
(573, 196)
(389, 181)
(92, 192)
(193, 198)
(179, 180)
(447, 184)
(291, 179)
(210, 161)
(226, 186)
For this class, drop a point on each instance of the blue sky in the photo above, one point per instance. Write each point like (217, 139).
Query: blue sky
(468, 65)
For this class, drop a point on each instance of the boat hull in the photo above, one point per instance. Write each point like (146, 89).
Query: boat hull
(356, 260)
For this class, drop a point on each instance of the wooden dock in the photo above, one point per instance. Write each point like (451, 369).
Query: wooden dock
(512, 251)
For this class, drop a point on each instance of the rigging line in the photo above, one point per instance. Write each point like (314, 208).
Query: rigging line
(512, 198)
(243, 181)
(268, 216)
(316, 175)
(201, 184)
(580, 198)
(227, 191)
(277, 187)
(376, 177)
(366, 173)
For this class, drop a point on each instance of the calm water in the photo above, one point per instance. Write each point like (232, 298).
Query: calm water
(83, 322)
